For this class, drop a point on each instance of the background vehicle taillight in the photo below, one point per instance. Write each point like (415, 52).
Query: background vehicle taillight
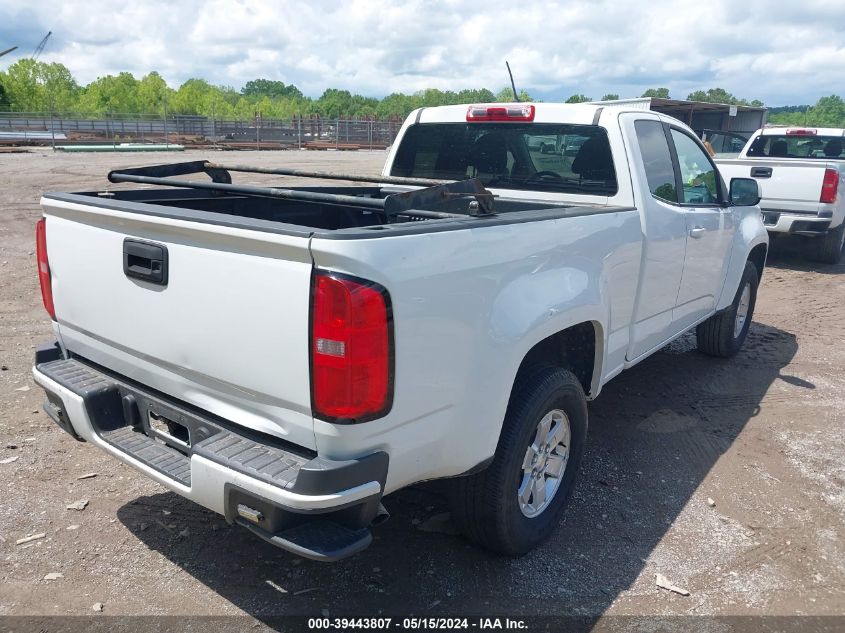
(44, 267)
(351, 349)
(830, 186)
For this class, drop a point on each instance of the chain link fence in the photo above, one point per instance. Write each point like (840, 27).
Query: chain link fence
(259, 133)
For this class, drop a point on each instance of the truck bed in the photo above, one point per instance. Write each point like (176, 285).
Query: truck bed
(297, 217)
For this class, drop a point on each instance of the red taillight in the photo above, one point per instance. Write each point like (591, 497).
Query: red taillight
(830, 186)
(518, 112)
(801, 132)
(44, 267)
(351, 355)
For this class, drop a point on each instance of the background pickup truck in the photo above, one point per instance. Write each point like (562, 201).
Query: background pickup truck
(801, 173)
(288, 356)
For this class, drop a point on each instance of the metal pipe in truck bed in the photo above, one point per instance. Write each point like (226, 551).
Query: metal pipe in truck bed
(300, 173)
(269, 192)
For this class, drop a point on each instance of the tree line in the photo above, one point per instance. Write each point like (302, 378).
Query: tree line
(33, 86)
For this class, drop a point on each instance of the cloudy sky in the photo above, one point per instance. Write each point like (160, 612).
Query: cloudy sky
(779, 52)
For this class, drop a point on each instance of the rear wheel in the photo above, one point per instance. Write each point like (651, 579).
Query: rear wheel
(724, 333)
(516, 503)
(830, 246)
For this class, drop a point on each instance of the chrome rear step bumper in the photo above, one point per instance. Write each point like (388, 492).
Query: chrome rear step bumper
(306, 504)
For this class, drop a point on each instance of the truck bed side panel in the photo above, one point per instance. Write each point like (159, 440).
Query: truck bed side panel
(468, 305)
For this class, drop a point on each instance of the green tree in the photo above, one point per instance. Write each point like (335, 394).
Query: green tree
(610, 97)
(4, 99)
(397, 105)
(259, 88)
(363, 107)
(21, 84)
(192, 97)
(59, 90)
(475, 95)
(578, 99)
(716, 95)
(828, 112)
(505, 95)
(38, 86)
(657, 93)
(432, 97)
(334, 103)
(153, 93)
(112, 93)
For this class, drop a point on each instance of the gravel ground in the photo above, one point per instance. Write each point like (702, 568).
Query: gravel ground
(760, 436)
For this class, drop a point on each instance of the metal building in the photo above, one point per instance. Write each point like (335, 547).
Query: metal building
(700, 115)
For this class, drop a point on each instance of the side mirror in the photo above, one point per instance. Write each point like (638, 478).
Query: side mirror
(744, 192)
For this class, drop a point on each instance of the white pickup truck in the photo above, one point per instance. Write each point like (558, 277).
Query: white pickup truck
(801, 172)
(288, 356)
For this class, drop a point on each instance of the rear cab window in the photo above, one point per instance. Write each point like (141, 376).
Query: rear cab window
(549, 157)
(798, 146)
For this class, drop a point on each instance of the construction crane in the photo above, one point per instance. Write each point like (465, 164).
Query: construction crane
(41, 45)
(8, 50)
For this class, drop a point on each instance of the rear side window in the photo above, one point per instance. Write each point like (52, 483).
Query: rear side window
(657, 160)
(551, 157)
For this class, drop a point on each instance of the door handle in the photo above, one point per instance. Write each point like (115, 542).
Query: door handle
(761, 172)
(697, 232)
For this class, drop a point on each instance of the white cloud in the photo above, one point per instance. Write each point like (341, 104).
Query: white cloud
(758, 49)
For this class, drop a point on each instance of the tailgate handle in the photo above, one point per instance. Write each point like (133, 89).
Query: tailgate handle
(761, 172)
(145, 260)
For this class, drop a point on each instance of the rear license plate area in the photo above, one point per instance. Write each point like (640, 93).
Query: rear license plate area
(169, 431)
(177, 427)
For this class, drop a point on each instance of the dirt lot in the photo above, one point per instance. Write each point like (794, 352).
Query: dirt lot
(761, 435)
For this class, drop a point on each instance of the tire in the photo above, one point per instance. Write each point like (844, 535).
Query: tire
(485, 506)
(722, 334)
(830, 246)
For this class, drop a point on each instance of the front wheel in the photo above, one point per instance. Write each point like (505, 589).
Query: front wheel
(724, 333)
(516, 502)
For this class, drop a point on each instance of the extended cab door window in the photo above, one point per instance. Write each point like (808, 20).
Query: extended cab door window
(699, 178)
(657, 159)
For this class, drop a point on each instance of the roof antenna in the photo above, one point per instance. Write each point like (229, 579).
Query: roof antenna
(513, 85)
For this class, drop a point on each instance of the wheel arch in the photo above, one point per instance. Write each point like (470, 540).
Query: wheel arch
(751, 243)
(757, 256)
(578, 347)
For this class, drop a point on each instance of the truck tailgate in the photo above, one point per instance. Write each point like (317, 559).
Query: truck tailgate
(791, 185)
(227, 332)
